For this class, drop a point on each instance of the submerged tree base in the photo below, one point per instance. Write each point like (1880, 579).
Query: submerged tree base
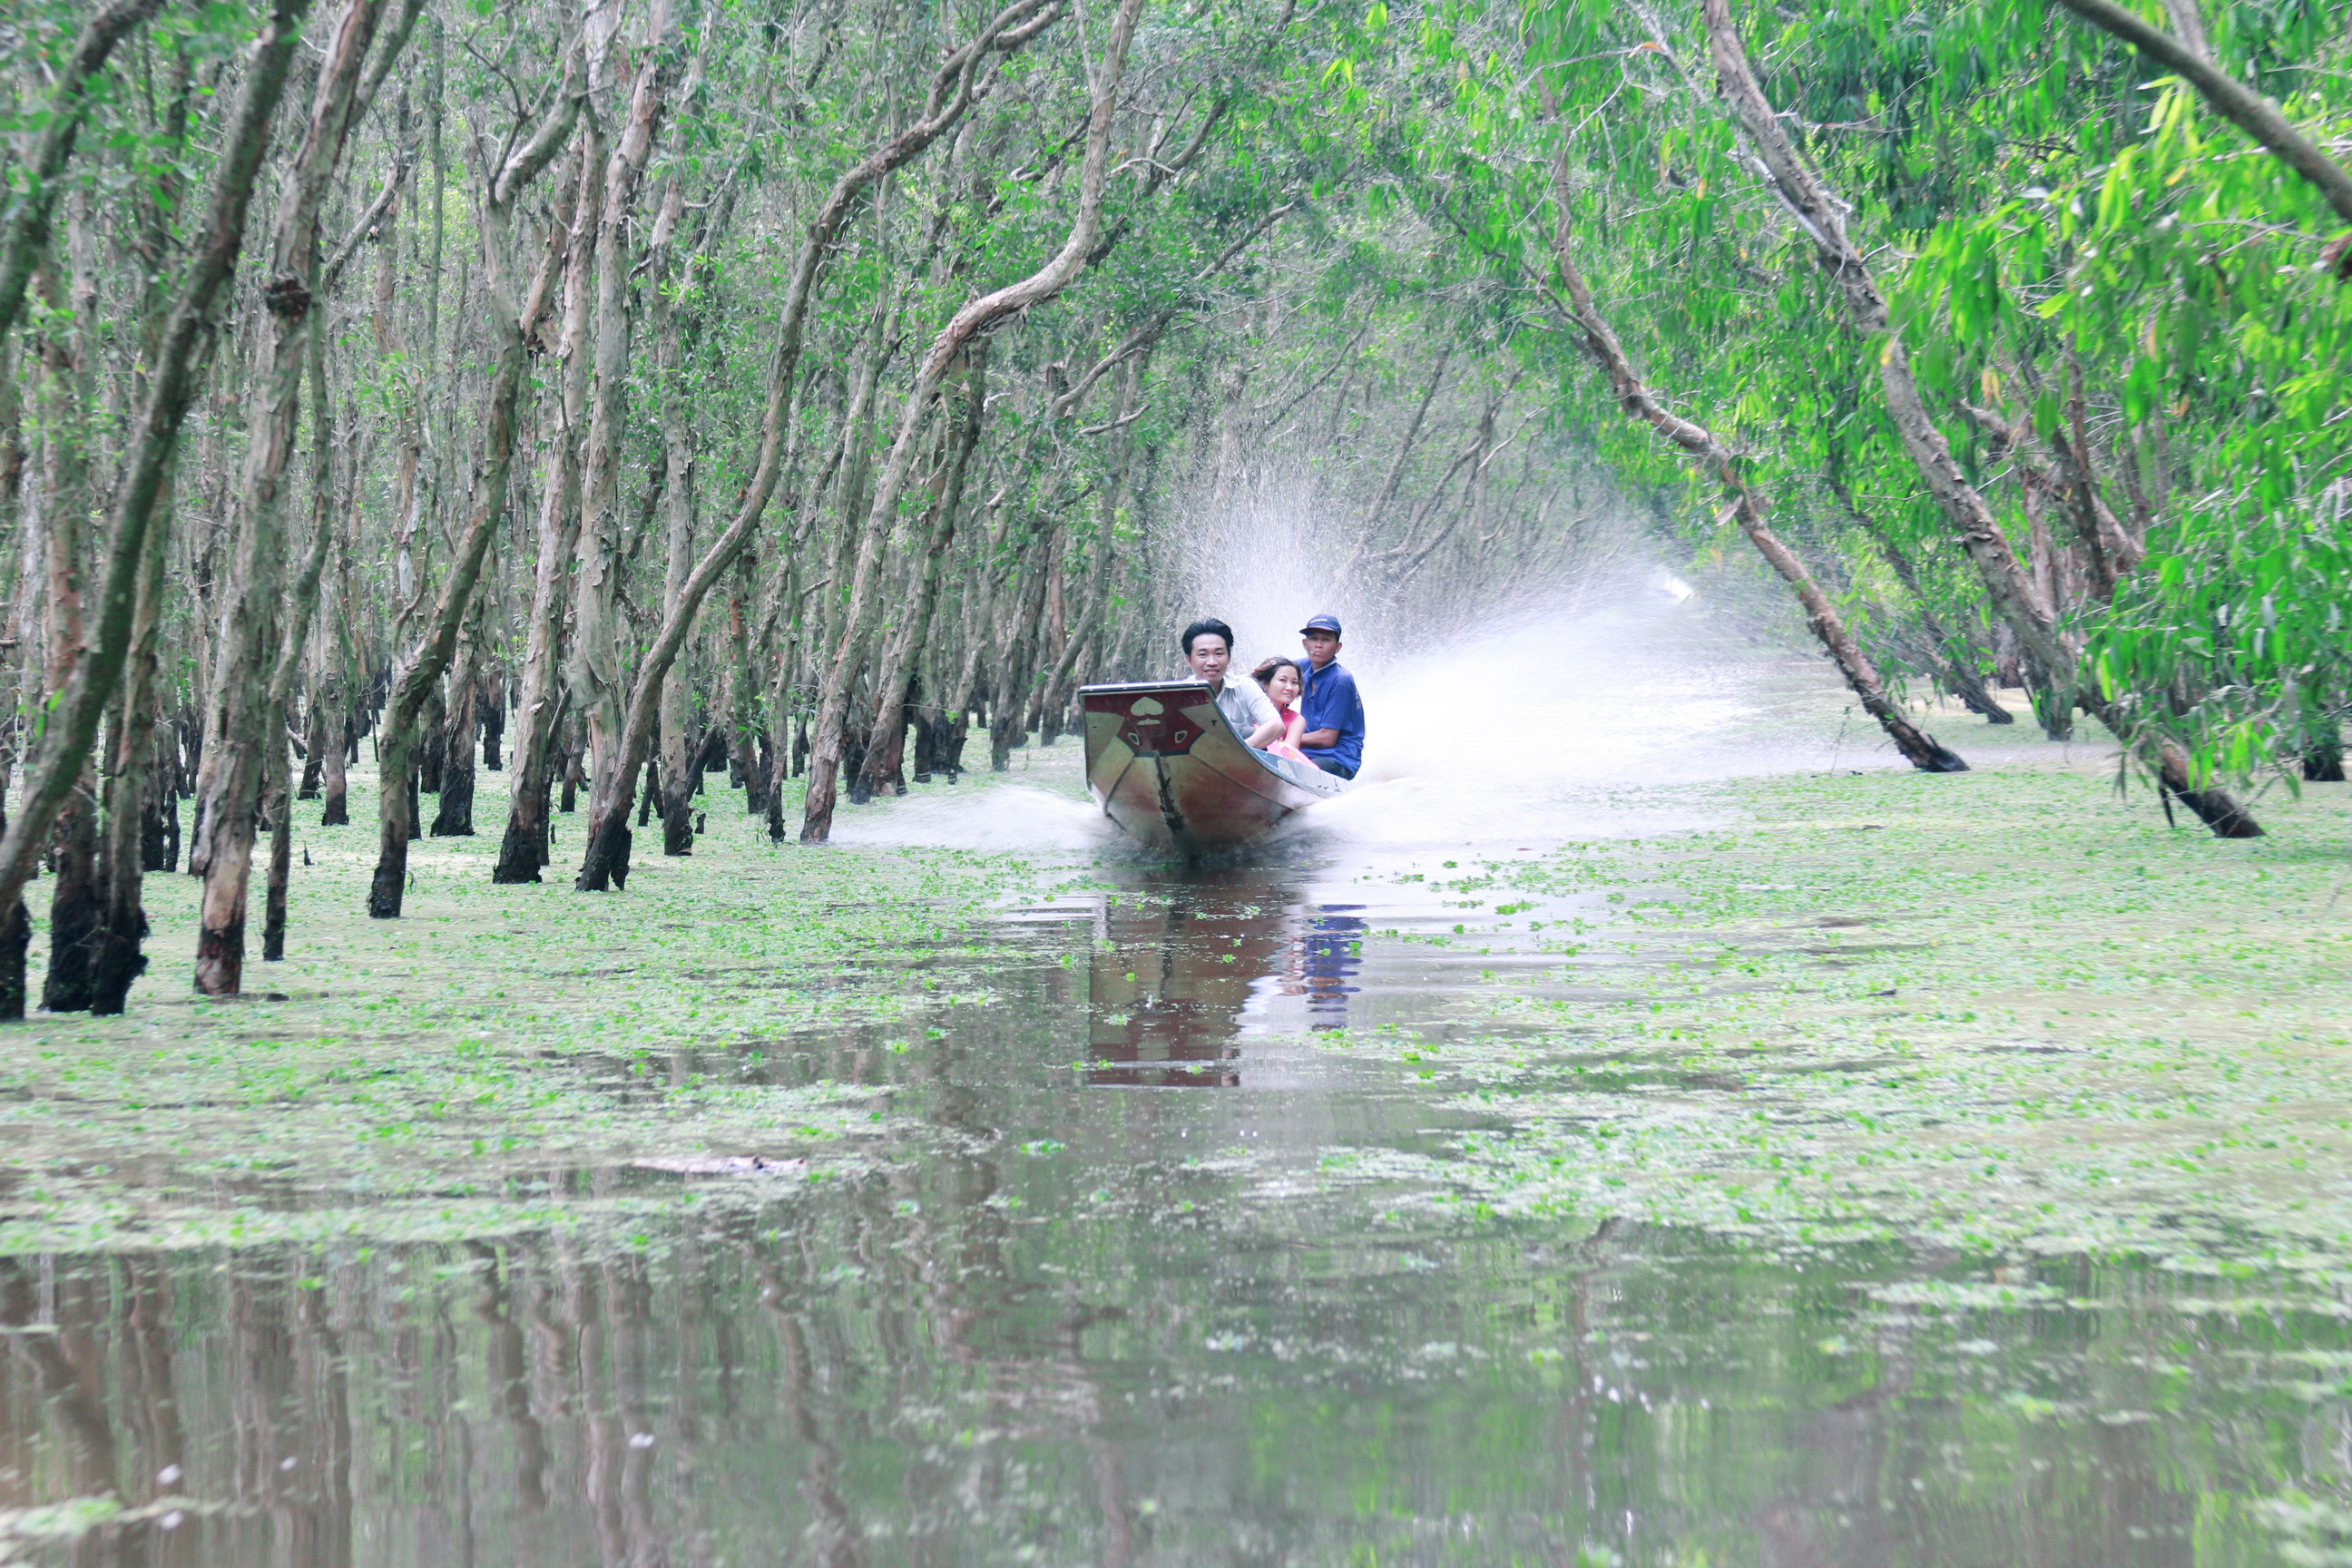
(1841, 1013)
(425, 1077)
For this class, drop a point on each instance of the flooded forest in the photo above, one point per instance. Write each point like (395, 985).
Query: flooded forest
(581, 578)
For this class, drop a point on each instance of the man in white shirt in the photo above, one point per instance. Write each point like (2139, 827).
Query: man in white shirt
(1209, 649)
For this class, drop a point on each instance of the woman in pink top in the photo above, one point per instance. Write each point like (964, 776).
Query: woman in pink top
(1283, 684)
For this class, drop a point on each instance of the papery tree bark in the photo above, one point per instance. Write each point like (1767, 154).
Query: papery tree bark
(1013, 660)
(895, 679)
(677, 494)
(962, 79)
(1936, 641)
(64, 391)
(453, 816)
(882, 519)
(742, 715)
(302, 602)
(1126, 407)
(238, 725)
(593, 669)
(420, 667)
(116, 960)
(176, 373)
(539, 702)
(341, 676)
(131, 832)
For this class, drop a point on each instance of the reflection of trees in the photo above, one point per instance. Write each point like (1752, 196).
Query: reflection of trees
(510, 1377)
(316, 1429)
(149, 1396)
(1863, 1456)
(40, 1333)
(904, 1366)
(882, 1372)
(831, 1533)
(610, 1308)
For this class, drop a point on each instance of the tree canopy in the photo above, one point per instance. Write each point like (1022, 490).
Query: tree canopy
(606, 394)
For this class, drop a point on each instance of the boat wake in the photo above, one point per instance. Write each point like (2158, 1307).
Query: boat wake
(985, 815)
(1516, 739)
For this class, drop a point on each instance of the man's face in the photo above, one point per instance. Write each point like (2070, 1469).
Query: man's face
(1209, 657)
(1322, 646)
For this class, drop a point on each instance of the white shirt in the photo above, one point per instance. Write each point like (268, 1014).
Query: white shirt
(1245, 705)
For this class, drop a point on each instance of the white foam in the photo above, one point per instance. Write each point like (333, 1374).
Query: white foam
(991, 817)
(1515, 737)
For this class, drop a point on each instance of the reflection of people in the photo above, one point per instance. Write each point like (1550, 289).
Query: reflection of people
(1334, 741)
(1280, 679)
(1209, 649)
(1331, 955)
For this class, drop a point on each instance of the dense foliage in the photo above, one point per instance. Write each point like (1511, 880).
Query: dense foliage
(610, 394)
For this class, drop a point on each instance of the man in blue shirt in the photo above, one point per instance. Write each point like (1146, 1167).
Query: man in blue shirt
(1334, 741)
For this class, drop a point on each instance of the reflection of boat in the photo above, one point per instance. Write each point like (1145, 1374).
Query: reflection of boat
(1174, 968)
(1163, 763)
(1181, 960)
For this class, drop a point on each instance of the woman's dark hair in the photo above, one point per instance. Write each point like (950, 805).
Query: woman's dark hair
(1206, 629)
(1264, 673)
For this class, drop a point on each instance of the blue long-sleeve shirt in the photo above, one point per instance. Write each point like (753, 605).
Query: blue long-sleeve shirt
(1331, 703)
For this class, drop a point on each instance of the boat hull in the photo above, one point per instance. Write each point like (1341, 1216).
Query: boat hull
(1163, 764)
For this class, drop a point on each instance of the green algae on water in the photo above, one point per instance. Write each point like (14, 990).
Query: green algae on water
(501, 1057)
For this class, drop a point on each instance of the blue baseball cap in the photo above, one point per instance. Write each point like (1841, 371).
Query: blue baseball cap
(1321, 623)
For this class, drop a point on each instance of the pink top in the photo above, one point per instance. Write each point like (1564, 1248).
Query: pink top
(1292, 726)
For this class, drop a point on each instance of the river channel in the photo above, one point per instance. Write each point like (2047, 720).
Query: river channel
(1164, 1272)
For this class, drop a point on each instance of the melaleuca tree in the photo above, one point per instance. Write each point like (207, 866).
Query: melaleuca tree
(1948, 296)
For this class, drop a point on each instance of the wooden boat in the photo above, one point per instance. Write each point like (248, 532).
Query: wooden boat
(1162, 763)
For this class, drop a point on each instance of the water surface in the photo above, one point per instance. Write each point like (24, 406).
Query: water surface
(1155, 1265)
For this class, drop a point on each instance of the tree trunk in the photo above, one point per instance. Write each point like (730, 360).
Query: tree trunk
(742, 718)
(892, 687)
(316, 739)
(2240, 105)
(159, 816)
(455, 817)
(65, 390)
(277, 808)
(278, 811)
(334, 783)
(239, 725)
(974, 318)
(570, 801)
(1013, 674)
(594, 671)
(1602, 346)
(2323, 754)
(677, 454)
(1060, 685)
(133, 787)
(953, 89)
(421, 670)
(537, 706)
(431, 747)
(1822, 217)
(1959, 675)
(783, 703)
(494, 721)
